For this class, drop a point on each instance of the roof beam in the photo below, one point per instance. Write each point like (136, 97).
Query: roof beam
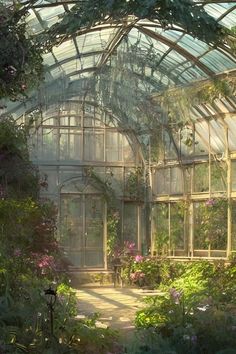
(177, 48)
(121, 33)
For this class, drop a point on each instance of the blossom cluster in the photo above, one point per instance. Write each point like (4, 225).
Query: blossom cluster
(127, 249)
(139, 258)
(46, 261)
(136, 276)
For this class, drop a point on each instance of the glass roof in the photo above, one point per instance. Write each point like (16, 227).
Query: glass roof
(134, 61)
(179, 56)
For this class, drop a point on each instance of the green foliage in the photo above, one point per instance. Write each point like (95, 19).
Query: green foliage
(210, 224)
(18, 177)
(168, 13)
(135, 184)
(149, 342)
(20, 62)
(197, 310)
(29, 261)
(113, 220)
(153, 271)
(149, 269)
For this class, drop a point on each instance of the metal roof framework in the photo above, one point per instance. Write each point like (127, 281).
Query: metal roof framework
(172, 58)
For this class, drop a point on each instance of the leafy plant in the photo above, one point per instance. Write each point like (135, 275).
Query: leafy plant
(195, 312)
(21, 66)
(168, 14)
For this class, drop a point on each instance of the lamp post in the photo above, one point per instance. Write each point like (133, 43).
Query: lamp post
(51, 296)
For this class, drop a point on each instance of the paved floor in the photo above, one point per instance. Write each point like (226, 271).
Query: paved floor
(117, 306)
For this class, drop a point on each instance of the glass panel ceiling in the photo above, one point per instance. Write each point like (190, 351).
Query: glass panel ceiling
(157, 58)
(219, 10)
(177, 55)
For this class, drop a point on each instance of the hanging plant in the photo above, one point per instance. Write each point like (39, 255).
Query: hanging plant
(21, 66)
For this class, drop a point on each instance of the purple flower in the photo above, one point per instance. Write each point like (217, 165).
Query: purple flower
(175, 295)
(138, 258)
(193, 339)
(210, 202)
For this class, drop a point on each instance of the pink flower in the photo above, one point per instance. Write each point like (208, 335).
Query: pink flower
(137, 275)
(210, 202)
(129, 245)
(46, 262)
(138, 258)
(17, 252)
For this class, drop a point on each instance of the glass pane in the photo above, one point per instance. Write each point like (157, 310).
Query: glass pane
(94, 210)
(94, 258)
(176, 180)
(130, 223)
(115, 179)
(49, 176)
(160, 217)
(210, 224)
(49, 147)
(157, 147)
(68, 177)
(128, 152)
(161, 181)
(94, 145)
(134, 183)
(187, 141)
(176, 226)
(234, 175)
(201, 178)
(64, 144)
(113, 146)
(71, 228)
(218, 176)
(75, 121)
(234, 225)
(75, 258)
(170, 151)
(75, 143)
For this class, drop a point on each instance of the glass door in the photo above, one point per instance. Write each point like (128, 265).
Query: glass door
(94, 231)
(82, 230)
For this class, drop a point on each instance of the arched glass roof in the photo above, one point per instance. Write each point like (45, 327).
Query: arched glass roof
(122, 65)
(179, 58)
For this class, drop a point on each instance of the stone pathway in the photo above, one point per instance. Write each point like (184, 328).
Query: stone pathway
(117, 306)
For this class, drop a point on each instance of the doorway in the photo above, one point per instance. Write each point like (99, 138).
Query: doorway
(82, 233)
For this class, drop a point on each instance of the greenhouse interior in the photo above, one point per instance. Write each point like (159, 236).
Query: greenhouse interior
(118, 140)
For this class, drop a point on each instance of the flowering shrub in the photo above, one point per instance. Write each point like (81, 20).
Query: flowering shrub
(137, 277)
(194, 313)
(139, 258)
(29, 260)
(153, 271)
